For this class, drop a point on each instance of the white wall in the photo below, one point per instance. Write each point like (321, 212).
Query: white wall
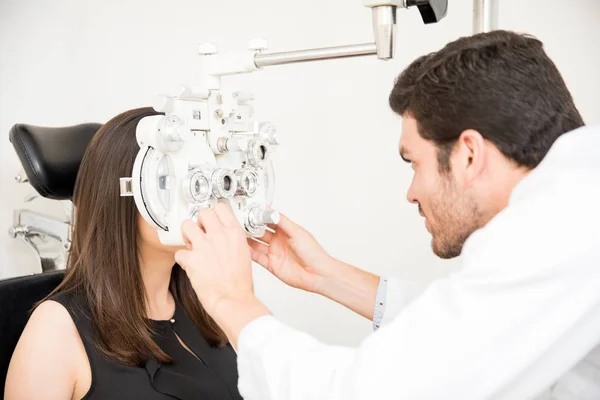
(64, 62)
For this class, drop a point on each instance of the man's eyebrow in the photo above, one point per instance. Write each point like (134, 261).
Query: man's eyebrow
(405, 155)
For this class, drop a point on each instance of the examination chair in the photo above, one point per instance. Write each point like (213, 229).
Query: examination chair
(50, 158)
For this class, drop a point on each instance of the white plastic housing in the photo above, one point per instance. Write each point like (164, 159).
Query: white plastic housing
(186, 140)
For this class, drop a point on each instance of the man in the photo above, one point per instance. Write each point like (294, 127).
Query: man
(506, 175)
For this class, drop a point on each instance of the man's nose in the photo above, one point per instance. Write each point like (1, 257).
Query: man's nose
(411, 195)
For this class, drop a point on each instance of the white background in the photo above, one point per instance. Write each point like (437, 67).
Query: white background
(64, 62)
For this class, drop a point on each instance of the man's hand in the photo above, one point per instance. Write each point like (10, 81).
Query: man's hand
(293, 255)
(218, 260)
(219, 267)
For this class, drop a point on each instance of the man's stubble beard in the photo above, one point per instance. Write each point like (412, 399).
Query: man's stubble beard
(456, 217)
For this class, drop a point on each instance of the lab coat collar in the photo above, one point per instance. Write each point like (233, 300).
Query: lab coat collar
(573, 156)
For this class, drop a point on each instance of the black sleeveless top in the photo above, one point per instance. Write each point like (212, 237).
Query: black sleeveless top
(213, 375)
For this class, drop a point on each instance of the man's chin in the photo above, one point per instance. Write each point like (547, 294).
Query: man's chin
(444, 251)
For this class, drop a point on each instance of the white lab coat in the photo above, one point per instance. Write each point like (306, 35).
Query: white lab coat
(522, 312)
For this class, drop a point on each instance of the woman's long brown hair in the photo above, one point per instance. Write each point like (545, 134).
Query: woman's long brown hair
(103, 264)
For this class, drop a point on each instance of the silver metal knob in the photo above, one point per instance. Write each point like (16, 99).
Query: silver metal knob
(258, 218)
(21, 178)
(234, 143)
(197, 187)
(258, 152)
(247, 182)
(15, 231)
(264, 217)
(224, 184)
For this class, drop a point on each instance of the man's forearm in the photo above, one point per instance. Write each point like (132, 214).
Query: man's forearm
(351, 287)
(232, 315)
(345, 284)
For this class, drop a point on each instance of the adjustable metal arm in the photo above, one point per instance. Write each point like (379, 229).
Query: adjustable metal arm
(384, 29)
(384, 20)
(328, 53)
(213, 65)
(485, 15)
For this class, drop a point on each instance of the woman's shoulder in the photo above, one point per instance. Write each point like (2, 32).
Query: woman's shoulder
(58, 318)
(62, 319)
(68, 299)
(51, 316)
(76, 305)
(50, 338)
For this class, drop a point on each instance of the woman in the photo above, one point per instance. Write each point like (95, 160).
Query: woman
(125, 322)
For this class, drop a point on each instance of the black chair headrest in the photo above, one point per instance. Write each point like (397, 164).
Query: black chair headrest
(51, 156)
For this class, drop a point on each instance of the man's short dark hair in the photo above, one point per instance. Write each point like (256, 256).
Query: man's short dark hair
(501, 84)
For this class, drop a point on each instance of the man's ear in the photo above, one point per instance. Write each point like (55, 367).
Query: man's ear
(469, 155)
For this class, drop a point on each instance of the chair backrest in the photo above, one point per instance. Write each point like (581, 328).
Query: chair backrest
(51, 156)
(17, 297)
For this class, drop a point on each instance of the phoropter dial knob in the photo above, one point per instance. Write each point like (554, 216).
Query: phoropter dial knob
(258, 152)
(258, 218)
(224, 184)
(247, 181)
(197, 186)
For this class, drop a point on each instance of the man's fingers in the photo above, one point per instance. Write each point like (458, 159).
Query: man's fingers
(207, 218)
(259, 252)
(192, 232)
(259, 257)
(225, 215)
(182, 258)
(267, 237)
(286, 226)
(258, 246)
